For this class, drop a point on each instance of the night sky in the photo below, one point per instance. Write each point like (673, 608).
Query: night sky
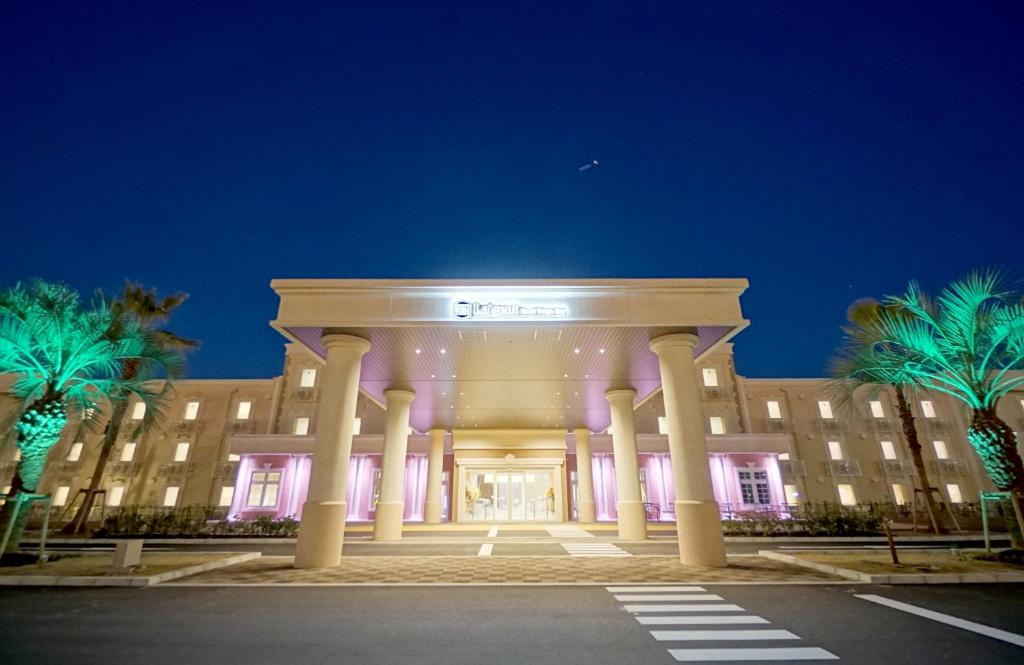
(824, 150)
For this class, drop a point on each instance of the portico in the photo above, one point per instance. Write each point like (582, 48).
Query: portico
(507, 375)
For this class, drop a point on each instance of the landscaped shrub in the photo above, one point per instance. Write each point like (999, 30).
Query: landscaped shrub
(191, 522)
(830, 519)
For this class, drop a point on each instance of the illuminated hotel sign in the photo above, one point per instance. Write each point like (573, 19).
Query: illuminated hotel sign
(465, 309)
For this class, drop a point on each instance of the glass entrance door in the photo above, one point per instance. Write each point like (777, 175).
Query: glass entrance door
(504, 495)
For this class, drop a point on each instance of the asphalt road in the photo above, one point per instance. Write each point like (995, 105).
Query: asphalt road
(474, 625)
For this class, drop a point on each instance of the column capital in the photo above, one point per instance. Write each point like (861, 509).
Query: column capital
(399, 395)
(687, 340)
(585, 431)
(619, 394)
(339, 340)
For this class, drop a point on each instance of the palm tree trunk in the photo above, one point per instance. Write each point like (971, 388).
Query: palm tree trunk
(78, 522)
(38, 428)
(996, 444)
(914, 444)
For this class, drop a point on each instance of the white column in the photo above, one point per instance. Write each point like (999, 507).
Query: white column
(698, 521)
(632, 517)
(435, 464)
(387, 521)
(323, 515)
(584, 476)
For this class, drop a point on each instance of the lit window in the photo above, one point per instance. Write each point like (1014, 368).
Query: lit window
(710, 377)
(128, 452)
(308, 378)
(927, 409)
(1022, 405)
(191, 410)
(264, 487)
(792, 494)
(825, 409)
(181, 451)
(877, 410)
(754, 486)
(888, 450)
(301, 427)
(232, 457)
(899, 494)
(244, 409)
(717, 424)
(774, 410)
(784, 457)
(227, 493)
(116, 495)
(835, 450)
(941, 451)
(662, 425)
(75, 453)
(170, 497)
(846, 495)
(955, 495)
(60, 497)
(139, 411)
(357, 426)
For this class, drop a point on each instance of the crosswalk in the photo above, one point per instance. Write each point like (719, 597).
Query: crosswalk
(567, 531)
(594, 549)
(716, 625)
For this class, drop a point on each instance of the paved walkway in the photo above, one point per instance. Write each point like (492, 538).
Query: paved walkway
(508, 570)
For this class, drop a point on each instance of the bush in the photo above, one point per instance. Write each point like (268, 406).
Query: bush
(829, 519)
(191, 522)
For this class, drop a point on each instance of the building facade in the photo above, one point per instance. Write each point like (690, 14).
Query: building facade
(516, 401)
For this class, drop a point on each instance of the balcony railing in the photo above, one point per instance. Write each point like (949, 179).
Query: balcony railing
(843, 467)
(174, 469)
(225, 470)
(949, 467)
(830, 426)
(792, 467)
(936, 424)
(896, 467)
(119, 469)
(305, 394)
(242, 426)
(188, 426)
(776, 425)
(887, 425)
(715, 394)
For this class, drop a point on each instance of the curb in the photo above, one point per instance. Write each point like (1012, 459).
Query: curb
(910, 578)
(123, 580)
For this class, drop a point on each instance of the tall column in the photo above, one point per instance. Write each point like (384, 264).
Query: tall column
(432, 504)
(584, 476)
(632, 517)
(323, 514)
(698, 520)
(387, 522)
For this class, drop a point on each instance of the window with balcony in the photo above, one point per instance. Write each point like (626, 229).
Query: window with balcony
(171, 496)
(954, 493)
(847, 496)
(877, 410)
(774, 410)
(116, 496)
(264, 488)
(754, 486)
(888, 450)
(792, 495)
(927, 408)
(825, 409)
(227, 494)
(835, 450)
(717, 424)
(357, 427)
(232, 457)
(244, 410)
(191, 410)
(75, 453)
(308, 378)
(663, 425)
(899, 494)
(60, 496)
(181, 451)
(128, 452)
(138, 411)
(710, 375)
(941, 451)
(300, 427)
(783, 457)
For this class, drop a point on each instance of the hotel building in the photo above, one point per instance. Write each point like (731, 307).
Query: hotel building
(516, 401)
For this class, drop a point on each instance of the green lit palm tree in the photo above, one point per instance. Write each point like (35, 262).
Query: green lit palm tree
(68, 360)
(967, 343)
(150, 312)
(856, 367)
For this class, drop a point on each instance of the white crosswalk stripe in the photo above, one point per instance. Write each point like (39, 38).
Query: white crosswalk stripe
(750, 655)
(665, 597)
(567, 531)
(691, 620)
(678, 607)
(594, 549)
(653, 589)
(721, 635)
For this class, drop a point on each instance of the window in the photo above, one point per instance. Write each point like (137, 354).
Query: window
(825, 409)
(116, 495)
(181, 451)
(955, 495)
(357, 427)
(75, 453)
(1022, 405)
(835, 450)
(888, 450)
(244, 409)
(877, 410)
(927, 408)
(710, 377)
(232, 457)
(128, 452)
(792, 494)
(60, 497)
(139, 411)
(846, 494)
(191, 410)
(784, 457)
(717, 424)
(171, 496)
(774, 410)
(662, 425)
(264, 487)
(308, 378)
(301, 427)
(941, 451)
(899, 494)
(227, 493)
(754, 486)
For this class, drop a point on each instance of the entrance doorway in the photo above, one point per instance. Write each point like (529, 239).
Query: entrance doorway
(510, 495)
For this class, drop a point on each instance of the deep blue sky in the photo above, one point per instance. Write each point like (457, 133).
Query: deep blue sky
(826, 151)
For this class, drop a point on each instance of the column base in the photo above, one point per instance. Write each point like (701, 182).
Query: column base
(632, 520)
(321, 534)
(699, 530)
(587, 511)
(387, 522)
(432, 512)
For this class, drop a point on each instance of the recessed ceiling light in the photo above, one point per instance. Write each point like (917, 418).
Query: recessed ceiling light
(600, 350)
(433, 376)
(586, 376)
(444, 394)
(557, 393)
(462, 393)
(419, 351)
(453, 376)
(565, 376)
(444, 351)
(575, 393)
(451, 406)
(575, 350)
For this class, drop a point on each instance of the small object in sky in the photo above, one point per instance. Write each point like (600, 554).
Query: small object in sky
(588, 165)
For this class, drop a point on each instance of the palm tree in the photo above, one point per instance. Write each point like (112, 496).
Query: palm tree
(150, 312)
(855, 367)
(68, 358)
